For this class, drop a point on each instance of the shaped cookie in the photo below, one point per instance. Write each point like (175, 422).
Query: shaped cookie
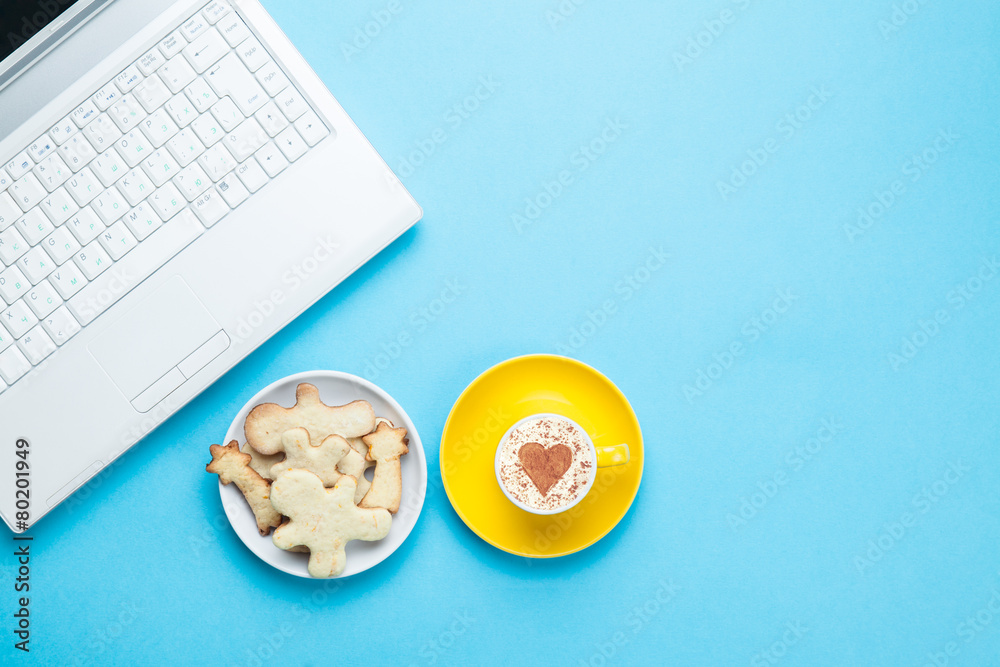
(231, 465)
(262, 462)
(324, 520)
(267, 422)
(358, 444)
(321, 459)
(385, 446)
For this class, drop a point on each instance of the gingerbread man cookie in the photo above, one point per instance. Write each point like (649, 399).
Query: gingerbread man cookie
(324, 520)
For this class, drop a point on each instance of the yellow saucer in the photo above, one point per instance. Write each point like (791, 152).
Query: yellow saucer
(508, 392)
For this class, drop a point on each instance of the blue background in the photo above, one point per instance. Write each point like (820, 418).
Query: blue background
(140, 567)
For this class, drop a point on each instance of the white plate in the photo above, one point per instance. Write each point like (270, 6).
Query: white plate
(335, 388)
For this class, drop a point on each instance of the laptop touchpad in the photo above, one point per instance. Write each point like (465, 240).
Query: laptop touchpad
(145, 346)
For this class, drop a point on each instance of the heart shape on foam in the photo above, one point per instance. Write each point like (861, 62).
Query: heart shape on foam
(544, 466)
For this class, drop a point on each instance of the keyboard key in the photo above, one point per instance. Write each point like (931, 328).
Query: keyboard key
(59, 206)
(128, 79)
(6, 340)
(210, 208)
(167, 202)
(252, 54)
(61, 246)
(252, 175)
(9, 211)
(63, 130)
(102, 133)
(136, 186)
(43, 299)
(5, 179)
(18, 319)
(134, 148)
(52, 172)
(217, 162)
(41, 147)
(185, 147)
(205, 51)
(106, 96)
(158, 127)
(67, 280)
(192, 181)
(12, 246)
(77, 152)
(61, 326)
(246, 139)
(231, 77)
(227, 114)
(291, 104)
(36, 345)
(34, 226)
(127, 113)
(176, 74)
(271, 158)
(195, 27)
(142, 221)
(92, 261)
(150, 62)
(291, 144)
(20, 165)
(117, 240)
(84, 187)
(272, 120)
(215, 11)
(152, 93)
(137, 265)
(36, 265)
(233, 190)
(233, 29)
(108, 166)
(160, 167)
(13, 285)
(85, 113)
(110, 205)
(201, 95)
(13, 365)
(27, 192)
(85, 226)
(311, 128)
(172, 44)
(272, 78)
(181, 110)
(208, 129)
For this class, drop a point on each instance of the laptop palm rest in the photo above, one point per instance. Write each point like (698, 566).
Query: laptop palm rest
(156, 346)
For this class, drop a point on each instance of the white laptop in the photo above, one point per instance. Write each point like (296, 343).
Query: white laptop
(176, 184)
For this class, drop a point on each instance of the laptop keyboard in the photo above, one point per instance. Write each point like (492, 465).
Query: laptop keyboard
(135, 173)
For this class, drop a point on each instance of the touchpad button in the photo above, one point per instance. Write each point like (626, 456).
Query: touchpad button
(151, 339)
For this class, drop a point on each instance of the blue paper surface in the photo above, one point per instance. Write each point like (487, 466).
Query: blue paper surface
(815, 366)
